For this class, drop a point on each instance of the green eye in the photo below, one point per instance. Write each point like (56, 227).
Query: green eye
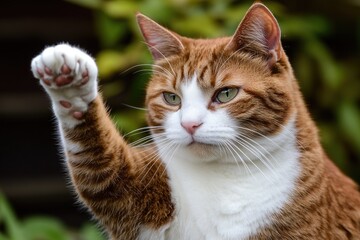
(226, 94)
(172, 98)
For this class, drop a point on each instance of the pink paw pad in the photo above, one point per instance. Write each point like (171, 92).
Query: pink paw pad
(65, 69)
(85, 78)
(63, 80)
(78, 115)
(65, 104)
(41, 73)
(48, 71)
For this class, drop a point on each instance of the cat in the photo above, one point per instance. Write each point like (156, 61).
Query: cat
(235, 154)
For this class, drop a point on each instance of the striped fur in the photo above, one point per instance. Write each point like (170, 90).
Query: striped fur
(137, 193)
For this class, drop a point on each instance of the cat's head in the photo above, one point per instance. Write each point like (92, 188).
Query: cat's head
(205, 94)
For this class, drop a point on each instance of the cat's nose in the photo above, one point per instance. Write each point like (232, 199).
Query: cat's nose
(191, 127)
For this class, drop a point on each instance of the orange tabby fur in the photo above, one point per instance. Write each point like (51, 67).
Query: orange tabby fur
(127, 187)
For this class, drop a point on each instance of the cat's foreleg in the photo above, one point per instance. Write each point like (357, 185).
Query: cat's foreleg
(103, 168)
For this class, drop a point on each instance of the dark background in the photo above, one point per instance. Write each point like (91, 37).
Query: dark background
(31, 175)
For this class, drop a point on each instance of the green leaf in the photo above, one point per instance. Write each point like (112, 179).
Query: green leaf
(303, 68)
(123, 9)
(129, 120)
(8, 218)
(300, 27)
(331, 72)
(45, 228)
(160, 11)
(94, 4)
(91, 232)
(330, 141)
(204, 27)
(109, 30)
(349, 117)
(111, 61)
(3, 237)
(111, 89)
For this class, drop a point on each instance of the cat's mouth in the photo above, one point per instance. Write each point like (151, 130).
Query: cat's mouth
(197, 144)
(194, 142)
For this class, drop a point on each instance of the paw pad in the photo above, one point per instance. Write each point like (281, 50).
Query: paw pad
(78, 115)
(63, 80)
(48, 71)
(65, 69)
(65, 104)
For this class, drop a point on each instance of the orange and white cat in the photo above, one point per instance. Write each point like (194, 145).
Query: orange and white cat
(235, 154)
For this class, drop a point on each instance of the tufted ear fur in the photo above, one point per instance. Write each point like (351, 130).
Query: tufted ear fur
(258, 33)
(161, 42)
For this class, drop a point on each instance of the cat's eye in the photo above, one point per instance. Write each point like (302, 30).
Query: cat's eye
(226, 94)
(172, 98)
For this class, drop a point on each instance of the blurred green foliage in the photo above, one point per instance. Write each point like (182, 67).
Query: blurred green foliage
(330, 85)
(40, 227)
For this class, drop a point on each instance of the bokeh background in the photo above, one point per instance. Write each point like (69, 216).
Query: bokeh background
(322, 39)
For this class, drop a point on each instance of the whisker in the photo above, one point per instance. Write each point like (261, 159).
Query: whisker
(153, 71)
(148, 128)
(232, 151)
(153, 47)
(169, 147)
(257, 144)
(222, 148)
(146, 141)
(171, 157)
(133, 107)
(250, 160)
(231, 55)
(141, 142)
(147, 65)
(152, 159)
(267, 163)
(261, 135)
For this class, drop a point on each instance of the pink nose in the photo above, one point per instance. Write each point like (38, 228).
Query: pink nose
(191, 127)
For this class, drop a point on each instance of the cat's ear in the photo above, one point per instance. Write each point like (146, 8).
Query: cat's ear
(161, 42)
(259, 33)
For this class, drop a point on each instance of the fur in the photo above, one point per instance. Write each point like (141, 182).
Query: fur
(250, 167)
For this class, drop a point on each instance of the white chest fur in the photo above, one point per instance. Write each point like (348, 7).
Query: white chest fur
(222, 201)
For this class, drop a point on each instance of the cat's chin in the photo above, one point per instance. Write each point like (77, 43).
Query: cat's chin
(202, 151)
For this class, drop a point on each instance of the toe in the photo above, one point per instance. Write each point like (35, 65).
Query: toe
(65, 69)
(48, 71)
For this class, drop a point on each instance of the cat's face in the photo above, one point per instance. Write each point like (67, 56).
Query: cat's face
(206, 95)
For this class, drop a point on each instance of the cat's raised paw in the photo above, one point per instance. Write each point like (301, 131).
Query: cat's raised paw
(63, 66)
(69, 76)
